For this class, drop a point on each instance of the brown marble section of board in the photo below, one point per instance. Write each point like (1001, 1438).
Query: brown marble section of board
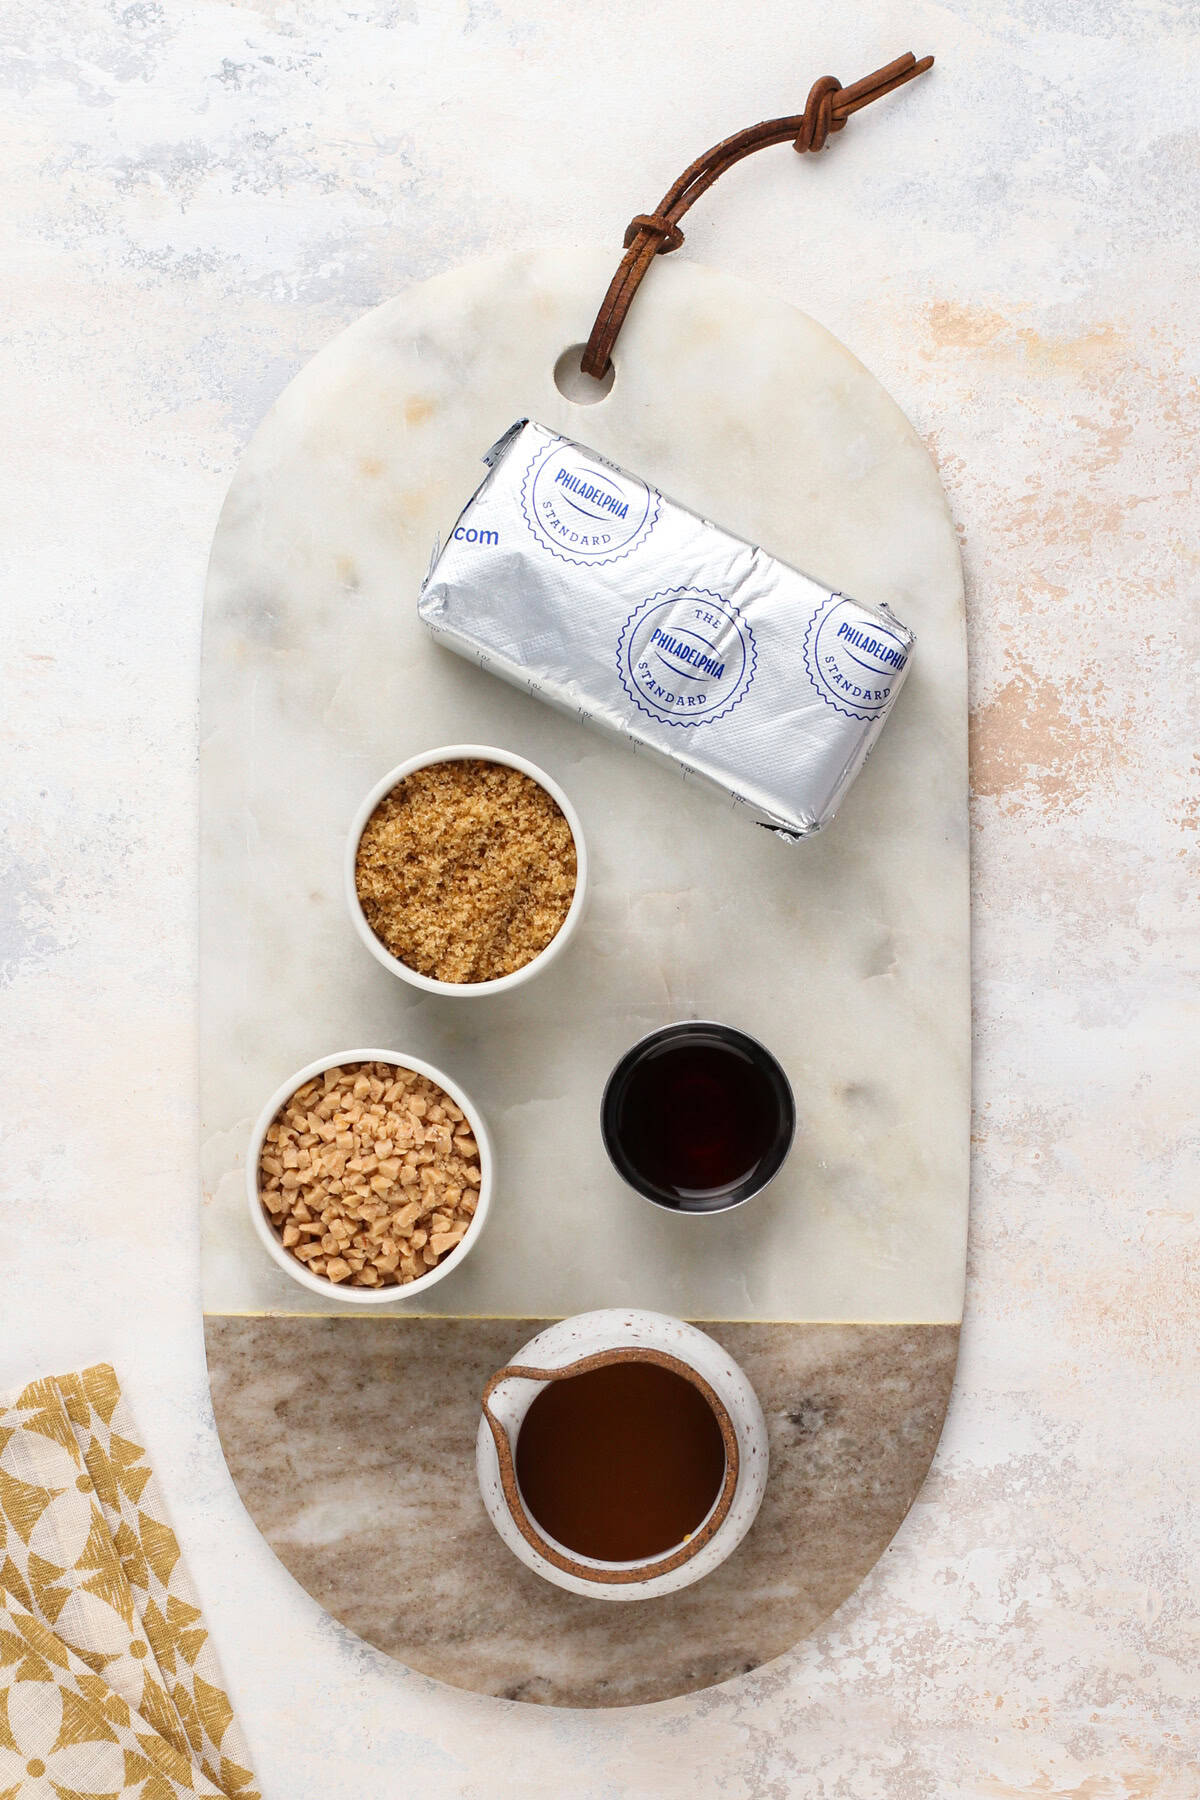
(364, 1486)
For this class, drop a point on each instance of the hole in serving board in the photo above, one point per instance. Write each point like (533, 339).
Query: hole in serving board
(574, 385)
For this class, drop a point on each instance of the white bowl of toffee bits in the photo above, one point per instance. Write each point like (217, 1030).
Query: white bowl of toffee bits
(369, 1176)
(466, 870)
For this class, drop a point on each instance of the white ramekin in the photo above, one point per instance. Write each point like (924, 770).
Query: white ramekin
(558, 943)
(334, 1290)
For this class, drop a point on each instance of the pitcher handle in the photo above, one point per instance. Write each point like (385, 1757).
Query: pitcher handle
(583, 1365)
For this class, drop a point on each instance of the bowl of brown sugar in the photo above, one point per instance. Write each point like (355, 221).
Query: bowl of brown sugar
(466, 870)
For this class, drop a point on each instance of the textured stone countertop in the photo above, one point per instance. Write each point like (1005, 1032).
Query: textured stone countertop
(196, 197)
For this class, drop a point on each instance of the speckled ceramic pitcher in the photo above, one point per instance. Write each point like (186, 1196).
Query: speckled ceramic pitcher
(596, 1340)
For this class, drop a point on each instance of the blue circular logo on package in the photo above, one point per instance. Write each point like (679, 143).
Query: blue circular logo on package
(686, 656)
(584, 510)
(853, 658)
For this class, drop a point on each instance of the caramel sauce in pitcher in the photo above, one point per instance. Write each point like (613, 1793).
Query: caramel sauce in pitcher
(620, 1463)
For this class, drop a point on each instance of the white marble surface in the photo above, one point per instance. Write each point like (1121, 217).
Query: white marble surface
(195, 199)
(848, 955)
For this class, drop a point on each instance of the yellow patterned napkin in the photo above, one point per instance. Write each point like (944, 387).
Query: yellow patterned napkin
(108, 1683)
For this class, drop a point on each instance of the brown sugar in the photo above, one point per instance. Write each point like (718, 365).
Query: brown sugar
(466, 870)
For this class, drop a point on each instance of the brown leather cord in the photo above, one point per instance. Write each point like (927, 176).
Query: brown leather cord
(828, 107)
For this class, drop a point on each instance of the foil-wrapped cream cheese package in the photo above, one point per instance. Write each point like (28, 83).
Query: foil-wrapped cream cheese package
(585, 586)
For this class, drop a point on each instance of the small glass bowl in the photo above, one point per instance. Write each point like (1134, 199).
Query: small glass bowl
(768, 1113)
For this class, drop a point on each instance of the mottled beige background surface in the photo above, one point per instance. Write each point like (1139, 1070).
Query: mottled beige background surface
(195, 197)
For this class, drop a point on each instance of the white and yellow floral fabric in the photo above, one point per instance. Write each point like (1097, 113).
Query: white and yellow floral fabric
(109, 1686)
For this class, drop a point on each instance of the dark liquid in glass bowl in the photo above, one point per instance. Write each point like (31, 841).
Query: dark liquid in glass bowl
(698, 1117)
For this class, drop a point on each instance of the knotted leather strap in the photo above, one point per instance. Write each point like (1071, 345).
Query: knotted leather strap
(654, 234)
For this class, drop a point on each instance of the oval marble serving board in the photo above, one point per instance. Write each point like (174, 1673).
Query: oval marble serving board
(350, 1435)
